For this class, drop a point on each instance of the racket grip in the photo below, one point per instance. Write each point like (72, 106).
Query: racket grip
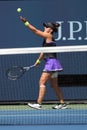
(32, 66)
(27, 68)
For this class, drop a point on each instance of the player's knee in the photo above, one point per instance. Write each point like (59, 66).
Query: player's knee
(42, 83)
(42, 86)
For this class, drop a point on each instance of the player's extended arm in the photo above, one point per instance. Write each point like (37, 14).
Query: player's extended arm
(34, 29)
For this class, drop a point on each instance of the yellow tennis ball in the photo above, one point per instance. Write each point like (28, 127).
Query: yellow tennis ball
(19, 10)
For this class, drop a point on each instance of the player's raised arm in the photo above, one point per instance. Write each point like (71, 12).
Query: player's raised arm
(34, 29)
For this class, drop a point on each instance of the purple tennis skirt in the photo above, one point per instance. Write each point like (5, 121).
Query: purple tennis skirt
(52, 64)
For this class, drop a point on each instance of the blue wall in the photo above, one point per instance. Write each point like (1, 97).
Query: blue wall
(71, 15)
(13, 34)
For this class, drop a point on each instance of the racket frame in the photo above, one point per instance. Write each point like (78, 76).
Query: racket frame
(22, 71)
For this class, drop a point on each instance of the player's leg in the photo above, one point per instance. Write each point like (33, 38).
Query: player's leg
(54, 84)
(42, 90)
(42, 83)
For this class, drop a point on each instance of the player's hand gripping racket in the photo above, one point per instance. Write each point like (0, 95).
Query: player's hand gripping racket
(16, 72)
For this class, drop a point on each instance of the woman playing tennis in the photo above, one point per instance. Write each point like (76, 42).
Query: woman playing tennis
(52, 64)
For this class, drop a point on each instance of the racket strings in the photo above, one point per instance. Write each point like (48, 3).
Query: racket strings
(15, 73)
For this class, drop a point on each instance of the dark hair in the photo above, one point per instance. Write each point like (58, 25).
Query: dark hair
(54, 26)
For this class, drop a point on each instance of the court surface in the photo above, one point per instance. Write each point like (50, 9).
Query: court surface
(23, 115)
(51, 127)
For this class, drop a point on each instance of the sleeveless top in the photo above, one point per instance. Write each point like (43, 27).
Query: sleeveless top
(49, 55)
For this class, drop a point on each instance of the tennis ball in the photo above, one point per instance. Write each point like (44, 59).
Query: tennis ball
(19, 10)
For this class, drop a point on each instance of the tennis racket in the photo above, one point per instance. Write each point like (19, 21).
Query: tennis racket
(16, 72)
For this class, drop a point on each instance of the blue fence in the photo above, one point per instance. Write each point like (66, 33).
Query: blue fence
(73, 31)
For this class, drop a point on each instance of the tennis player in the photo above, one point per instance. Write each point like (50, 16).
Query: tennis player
(52, 64)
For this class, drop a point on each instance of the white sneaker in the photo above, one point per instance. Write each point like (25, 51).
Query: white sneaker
(35, 106)
(60, 106)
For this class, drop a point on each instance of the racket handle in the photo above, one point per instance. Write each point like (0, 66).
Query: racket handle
(27, 68)
(32, 66)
